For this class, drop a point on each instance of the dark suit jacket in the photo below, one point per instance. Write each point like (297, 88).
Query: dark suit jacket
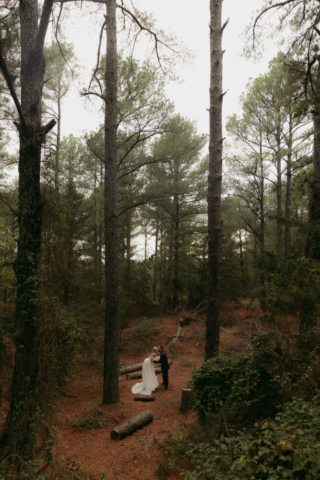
(163, 362)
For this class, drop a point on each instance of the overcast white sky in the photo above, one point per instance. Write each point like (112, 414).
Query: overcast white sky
(189, 20)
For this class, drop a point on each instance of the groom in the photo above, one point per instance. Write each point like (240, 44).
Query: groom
(164, 366)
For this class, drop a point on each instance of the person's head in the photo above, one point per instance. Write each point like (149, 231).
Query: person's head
(155, 349)
(161, 348)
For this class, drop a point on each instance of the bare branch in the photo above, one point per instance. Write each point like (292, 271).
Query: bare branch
(9, 81)
(43, 26)
(98, 57)
(8, 205)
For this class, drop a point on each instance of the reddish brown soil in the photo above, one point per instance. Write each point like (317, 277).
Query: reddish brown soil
(137, 456)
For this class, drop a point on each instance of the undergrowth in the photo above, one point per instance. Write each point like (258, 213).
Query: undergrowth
(90, 421)
(138, 338)
(61, 469)
(259, 416)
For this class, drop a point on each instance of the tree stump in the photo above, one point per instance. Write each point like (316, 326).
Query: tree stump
(128, 428)
(186, 399)
(144, 398)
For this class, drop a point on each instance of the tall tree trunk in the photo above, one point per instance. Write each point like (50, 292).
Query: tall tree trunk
(128, 269)
(111, 353)
(162, 265)
(214, 183)
(313, 241)
(145, 241)
(95, 233)
(168, 285)
(101, 242)
(287, 230)
(308, 318)
(19, 435)
(155, 265)
(58, 145)
(176, 251)
(241, 259)
(279, 194)
(262, 228)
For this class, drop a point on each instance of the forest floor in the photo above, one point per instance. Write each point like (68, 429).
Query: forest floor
(136, 456)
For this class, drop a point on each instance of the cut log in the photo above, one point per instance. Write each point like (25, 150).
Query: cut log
(130, 368)
(144, 398)
(186, 399)
(136, 375)
(128, 428)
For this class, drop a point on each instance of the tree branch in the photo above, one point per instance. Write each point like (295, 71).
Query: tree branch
(8, 79)
(8, 205)
(44, 22)
(50, 125)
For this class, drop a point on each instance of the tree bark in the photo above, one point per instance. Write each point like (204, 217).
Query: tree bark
(214, 183)
(128, 428)
(95, 233)
(262, 228)
(313, 241)
(111, 352)
(287, 230)
(241, 259)
(279, 194)
(176, 250)
(21, 422)
(128, 216)
(186, 399)
(100, 242)
(155, 265)
(58, 145)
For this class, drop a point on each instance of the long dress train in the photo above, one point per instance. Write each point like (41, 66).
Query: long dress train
(149, 380)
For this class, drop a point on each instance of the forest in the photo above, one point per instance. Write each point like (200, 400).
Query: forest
(148, 240)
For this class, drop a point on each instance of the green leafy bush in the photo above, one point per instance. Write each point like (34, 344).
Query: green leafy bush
(247, 386)
(90, 422)
(287, 447)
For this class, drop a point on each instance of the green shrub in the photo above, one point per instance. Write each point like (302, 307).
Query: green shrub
(186, 362)
(287, 447)
(247, 386)
(90, 422)
(62, 468)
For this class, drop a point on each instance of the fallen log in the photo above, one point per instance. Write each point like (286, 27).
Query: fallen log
(186, 399)
(128, 428)
(136, 375)
(175, 338)
(144, 398)
(130, 368)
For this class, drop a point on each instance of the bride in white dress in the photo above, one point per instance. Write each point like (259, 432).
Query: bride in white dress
(149, 380)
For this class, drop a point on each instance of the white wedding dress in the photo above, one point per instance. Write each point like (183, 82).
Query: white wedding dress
(149, 380)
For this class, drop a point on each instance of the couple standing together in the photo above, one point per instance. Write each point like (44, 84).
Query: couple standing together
(149, 380)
